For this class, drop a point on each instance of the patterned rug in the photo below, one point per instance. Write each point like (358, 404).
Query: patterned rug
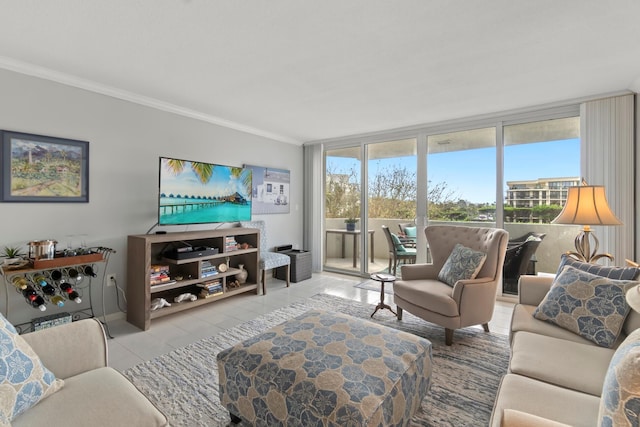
(465, 377)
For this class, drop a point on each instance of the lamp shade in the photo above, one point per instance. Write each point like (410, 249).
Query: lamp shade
(587, 205)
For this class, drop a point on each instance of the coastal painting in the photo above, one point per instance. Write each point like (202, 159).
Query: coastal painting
(270, 190)
(37, 168)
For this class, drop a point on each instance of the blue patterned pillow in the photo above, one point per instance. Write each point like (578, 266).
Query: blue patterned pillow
(620, 402)
(24, 380)
(463, 264)
(612, 272)
(589, 305)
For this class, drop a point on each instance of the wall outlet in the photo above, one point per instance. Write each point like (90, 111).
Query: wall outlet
(110, 279)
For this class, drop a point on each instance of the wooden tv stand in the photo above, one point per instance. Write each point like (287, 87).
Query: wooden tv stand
(187, 270)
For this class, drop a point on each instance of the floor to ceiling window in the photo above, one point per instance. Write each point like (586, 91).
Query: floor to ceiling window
(461, 177)
(541, 161)
(511, 173)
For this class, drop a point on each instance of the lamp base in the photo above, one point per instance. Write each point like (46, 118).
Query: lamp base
(583, 248)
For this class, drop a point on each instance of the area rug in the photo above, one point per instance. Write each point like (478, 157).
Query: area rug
(465, 377)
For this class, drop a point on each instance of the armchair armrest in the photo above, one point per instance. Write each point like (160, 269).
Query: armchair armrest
(532, 289)
(71, 349)
(419, 271)
(514, 418)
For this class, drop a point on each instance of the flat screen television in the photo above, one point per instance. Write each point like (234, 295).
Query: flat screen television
(198, 193)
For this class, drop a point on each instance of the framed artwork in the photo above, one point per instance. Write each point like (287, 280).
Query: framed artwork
(37, 168)
(270, 190)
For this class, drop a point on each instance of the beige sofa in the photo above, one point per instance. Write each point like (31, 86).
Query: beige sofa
(555, 377)
(93, 393)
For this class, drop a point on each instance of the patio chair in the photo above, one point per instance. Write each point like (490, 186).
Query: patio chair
(518, 259)
(397, 251)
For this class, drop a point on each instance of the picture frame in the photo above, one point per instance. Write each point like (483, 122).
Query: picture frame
(38, 168)
(270, 190)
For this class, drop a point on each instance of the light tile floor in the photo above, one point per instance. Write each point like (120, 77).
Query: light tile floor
(131, 345)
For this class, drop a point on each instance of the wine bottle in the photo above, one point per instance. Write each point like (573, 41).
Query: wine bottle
(34, 299)
(40, 280)
(88, 270)
(19, 282)
(71, 293)
(56, 275)
(57, 300)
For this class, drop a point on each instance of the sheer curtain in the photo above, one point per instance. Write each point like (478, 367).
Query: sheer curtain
(607, 135)
(313, 203)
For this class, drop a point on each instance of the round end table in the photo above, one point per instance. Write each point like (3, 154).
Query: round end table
(383, 278)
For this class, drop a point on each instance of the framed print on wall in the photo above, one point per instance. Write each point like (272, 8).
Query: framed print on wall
(37, 168)
(270, 190)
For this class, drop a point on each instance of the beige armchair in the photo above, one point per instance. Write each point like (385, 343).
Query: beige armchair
(467, 302)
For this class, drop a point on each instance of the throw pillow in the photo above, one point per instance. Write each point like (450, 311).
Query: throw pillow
(410, 231)
(620, 402)
(24, 380)
(618, 273)
(463, 264)
(589, 305)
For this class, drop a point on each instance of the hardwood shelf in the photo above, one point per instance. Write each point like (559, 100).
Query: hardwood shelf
(151, 249)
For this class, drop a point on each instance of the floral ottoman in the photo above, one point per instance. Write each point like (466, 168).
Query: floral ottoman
(326, 369)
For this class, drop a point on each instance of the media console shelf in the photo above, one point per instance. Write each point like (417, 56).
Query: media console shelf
(192, 258)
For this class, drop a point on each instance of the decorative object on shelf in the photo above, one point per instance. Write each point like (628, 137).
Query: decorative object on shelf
(158, 303)
(241, 276)
(233, 284)
(351, 223)
(587, 205)
(11, 255)
(270, 187)
(42, 249)
(222, 268)
(63, 175)
(185, 297)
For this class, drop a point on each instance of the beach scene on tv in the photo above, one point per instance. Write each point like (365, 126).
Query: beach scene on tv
(198, 193)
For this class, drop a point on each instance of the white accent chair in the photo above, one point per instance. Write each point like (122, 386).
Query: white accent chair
(268, 260)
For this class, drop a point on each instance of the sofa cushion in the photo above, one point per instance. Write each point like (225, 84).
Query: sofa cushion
(612, 272)
(463, 264)
(438, 299)
(544, 358)
(544, 400)
(591, 306)
(620, 403)
(98, 398)
(24, 380)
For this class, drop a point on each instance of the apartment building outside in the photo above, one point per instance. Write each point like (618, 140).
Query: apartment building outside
(526, 195)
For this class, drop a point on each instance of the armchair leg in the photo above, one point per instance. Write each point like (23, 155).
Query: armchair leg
(399, 310)
(264, 282)
(448, 336)
(486, 327)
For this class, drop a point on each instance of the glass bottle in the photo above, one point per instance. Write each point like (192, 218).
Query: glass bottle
(19, 282)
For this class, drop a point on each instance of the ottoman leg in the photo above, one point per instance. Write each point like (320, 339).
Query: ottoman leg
(235, 419)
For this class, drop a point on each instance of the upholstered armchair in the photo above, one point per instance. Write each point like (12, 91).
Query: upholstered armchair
(268, 260)
(461, 302)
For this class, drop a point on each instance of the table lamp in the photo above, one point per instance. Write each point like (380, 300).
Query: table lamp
(633, 298)
(587, 205)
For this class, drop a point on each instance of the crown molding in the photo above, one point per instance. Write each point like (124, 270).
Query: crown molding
(74, 81)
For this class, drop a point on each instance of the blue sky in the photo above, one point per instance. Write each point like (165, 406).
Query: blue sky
(471, 173)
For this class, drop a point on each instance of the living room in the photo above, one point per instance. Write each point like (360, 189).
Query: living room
(135, 105)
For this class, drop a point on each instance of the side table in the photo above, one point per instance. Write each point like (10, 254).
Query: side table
(383, 278)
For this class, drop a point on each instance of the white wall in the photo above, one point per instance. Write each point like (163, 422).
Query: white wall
(125, 141)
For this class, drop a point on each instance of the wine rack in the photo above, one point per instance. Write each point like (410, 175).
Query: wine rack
(64, 286)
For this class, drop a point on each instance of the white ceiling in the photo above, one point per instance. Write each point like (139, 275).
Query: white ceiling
(302, 70)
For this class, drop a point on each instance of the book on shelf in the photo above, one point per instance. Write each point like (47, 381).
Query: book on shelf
(156, 268)
(207, 295)
(168, 282)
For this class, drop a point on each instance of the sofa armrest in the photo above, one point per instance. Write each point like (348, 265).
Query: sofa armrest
(419, 271)
(71, 349)
(532, 289)
(514, 418)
